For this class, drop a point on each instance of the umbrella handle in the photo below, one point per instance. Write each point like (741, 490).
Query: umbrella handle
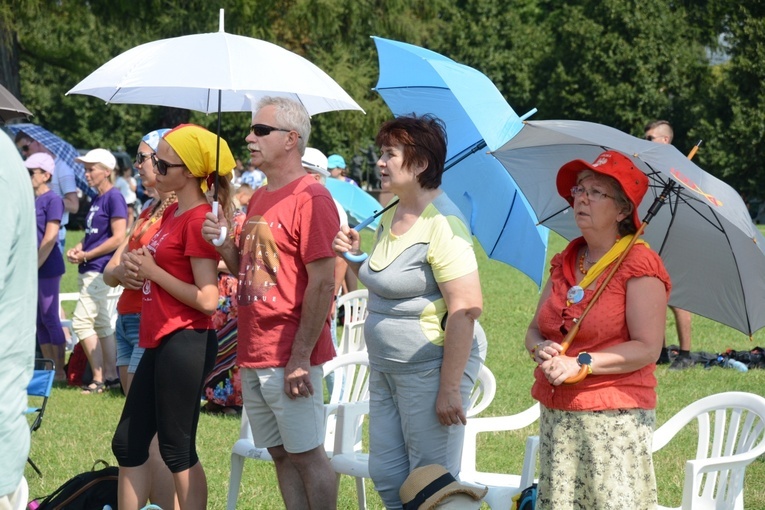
(223, 230)
(361, 257)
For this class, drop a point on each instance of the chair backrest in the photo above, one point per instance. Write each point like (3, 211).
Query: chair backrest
(354, 305)
(731, 434)
(351, 385)
(39, 390)
(483, 392)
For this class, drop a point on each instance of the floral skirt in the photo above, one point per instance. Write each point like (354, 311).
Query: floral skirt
(596, 460)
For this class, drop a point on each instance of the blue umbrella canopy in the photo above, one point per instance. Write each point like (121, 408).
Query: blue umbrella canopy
(357, 203)
(477, 118)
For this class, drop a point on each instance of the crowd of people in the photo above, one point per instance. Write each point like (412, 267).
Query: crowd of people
(248, 322)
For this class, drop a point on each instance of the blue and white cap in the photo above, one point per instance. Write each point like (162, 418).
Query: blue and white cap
(152, 139)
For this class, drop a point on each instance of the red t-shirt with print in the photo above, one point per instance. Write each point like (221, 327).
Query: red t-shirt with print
(285, 230)
(177, 241)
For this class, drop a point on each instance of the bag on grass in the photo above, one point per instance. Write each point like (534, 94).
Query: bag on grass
(78, 369)
(87, 491)
(526, 499)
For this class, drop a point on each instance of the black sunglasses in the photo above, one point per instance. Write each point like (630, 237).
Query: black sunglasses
(141, 157)
(25, 148)
(265, 130)
(161, 165)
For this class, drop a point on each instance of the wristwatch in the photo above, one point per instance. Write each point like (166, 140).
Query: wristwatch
(585, 359)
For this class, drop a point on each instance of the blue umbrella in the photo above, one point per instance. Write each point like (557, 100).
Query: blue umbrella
(61, 149)
(477, 119)
(357, 203)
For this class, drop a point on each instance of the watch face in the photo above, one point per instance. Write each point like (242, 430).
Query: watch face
(584, 359)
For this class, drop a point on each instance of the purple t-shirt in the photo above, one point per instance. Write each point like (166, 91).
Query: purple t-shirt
(49, 207)
(98, 227)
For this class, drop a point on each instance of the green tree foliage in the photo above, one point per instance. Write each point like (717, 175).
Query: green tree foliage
(617, 62)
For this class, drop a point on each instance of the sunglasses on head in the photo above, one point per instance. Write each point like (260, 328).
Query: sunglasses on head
(161, 165)
(265, 130)
(141, 157)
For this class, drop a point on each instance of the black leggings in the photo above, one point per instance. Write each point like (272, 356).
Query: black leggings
(164, 399)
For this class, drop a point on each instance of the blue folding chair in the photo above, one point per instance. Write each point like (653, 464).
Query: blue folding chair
(38, 392)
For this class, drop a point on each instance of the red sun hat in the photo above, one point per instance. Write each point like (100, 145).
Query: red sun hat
(633, 181)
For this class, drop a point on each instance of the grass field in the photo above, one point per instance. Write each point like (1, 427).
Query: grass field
(78, 428)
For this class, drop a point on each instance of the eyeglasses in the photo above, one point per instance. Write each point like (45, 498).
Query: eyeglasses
(141, 157)
(651, 138)
(592, 194)
(265, 130)
(161, 165)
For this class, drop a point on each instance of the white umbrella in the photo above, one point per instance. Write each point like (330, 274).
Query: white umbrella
(214, 72)
(190, 71)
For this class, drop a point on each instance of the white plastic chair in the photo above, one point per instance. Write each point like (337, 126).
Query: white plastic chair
(730, 437)
(349, 459)
(502, 487)
(354, 305)
(352, 376)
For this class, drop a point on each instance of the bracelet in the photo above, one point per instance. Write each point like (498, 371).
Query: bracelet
(84, 259)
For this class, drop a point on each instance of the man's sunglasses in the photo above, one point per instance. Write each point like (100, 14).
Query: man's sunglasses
(265, 130)
(25, 148)
(161, 165)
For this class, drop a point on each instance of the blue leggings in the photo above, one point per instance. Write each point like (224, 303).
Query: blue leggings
(164, 399)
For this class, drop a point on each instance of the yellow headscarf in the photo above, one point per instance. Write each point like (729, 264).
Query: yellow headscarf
(196, 147)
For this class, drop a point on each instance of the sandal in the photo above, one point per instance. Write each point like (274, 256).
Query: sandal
(113, 383)
(93, 387)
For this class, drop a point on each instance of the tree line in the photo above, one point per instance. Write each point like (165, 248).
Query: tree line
(696, 63)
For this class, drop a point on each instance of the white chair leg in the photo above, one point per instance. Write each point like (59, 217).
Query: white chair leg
(361, 493)
(234, 480)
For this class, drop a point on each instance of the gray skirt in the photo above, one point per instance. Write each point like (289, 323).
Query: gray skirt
(596, 460)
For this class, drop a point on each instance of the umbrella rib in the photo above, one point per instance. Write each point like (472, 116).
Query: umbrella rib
(504, 225)
(553, 215)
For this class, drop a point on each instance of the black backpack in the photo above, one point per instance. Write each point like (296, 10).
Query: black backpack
(87, 491)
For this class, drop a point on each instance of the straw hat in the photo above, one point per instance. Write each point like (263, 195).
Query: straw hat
(427, 486)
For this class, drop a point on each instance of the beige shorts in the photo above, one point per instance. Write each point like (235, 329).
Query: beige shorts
(96, 310)
(275, 419)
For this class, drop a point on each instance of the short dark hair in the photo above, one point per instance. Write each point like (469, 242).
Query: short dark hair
(22, 136)
(659, 123)
(424, 141)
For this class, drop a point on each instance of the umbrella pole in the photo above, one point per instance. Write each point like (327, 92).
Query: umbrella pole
(223, 230)
(569, 338)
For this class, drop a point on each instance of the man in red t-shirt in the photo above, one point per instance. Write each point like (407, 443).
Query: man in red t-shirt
(285, 265)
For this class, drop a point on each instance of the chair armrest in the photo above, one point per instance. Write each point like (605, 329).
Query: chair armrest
(476, 426)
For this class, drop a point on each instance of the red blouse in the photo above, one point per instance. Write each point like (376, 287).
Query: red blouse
(605, 325)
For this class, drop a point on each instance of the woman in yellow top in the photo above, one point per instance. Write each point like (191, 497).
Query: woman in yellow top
(424, 342)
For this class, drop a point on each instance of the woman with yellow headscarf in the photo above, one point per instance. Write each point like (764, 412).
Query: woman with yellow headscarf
(180, 293)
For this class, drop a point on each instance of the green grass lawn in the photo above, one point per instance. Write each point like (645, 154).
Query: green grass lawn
(78, 428)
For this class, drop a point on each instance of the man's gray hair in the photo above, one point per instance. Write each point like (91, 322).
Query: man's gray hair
(290, 114)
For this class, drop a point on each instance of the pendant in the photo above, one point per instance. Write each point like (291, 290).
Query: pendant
(575, 294)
